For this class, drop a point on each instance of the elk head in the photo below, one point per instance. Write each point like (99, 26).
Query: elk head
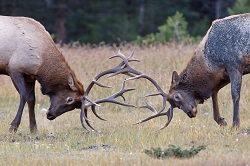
(65, 100)
(183, 99)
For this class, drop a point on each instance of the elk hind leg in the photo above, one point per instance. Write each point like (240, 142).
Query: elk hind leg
(31, 105)
(236, 80)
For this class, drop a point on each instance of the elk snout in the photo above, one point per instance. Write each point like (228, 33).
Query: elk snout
(192, 113)
(50, 116)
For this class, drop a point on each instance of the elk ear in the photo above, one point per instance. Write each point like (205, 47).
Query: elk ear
(72, 83)
(175, 79)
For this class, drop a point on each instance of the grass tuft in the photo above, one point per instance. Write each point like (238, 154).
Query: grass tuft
(174, 151)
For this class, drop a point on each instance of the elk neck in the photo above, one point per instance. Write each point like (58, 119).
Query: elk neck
(198, 77)
(54, 73)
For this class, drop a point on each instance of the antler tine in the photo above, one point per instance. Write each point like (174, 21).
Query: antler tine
(130, 58)
(169, 114)
(131, 54)
(94, 111)
(83, 115)
(142, 75)
(112, 98)
(127, 70)
(120, 55)
(99, 84)
(149, 107)
(160, 91)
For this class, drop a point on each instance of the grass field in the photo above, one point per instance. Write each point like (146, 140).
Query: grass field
(64, 142)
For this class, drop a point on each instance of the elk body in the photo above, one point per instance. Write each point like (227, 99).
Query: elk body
(27, 54)
(222, 57)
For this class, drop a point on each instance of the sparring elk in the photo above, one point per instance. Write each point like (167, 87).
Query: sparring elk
(222, 57)
(28, 53)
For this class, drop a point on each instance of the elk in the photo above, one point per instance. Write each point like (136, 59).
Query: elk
(28, 53)
(222, 57)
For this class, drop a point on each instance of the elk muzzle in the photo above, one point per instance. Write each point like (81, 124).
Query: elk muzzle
(50, 116)
(192, 112)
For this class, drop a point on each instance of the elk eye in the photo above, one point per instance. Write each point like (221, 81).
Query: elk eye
(177, 97)
(69, 100)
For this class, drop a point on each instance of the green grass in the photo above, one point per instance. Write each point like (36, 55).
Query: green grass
(64, 142)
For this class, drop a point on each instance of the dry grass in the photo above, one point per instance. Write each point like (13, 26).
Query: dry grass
(64, 142)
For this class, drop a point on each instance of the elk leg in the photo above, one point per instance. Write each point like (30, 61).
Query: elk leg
(235, 79)
(220, 120)
(31, 105)
(19, 83)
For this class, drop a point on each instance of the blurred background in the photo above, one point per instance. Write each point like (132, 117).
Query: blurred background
(114, 21)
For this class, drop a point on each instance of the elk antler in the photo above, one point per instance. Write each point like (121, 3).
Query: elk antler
(111, 99)
(164, 95)
(122, 68)
(169, 113)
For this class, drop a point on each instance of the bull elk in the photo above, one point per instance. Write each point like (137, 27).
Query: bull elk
(222, 57)
(28, 53)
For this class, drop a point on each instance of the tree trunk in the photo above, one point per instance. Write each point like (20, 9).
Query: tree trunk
(141, 17)
(60, 10)
(218, 9)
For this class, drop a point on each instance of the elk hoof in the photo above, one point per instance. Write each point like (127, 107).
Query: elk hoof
(222, 122)
(12, 129)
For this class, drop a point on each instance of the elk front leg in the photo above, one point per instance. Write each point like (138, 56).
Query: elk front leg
(220, 120)
(19, 83)
(31, 105)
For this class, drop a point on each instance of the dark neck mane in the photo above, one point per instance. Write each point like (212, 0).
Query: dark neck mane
(196, 79)
(54, 73)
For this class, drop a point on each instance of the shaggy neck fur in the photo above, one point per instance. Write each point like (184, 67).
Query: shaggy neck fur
(54, 73)
(198, 79)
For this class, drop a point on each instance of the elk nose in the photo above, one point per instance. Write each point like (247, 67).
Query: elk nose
(193, 112)
(50, 116)
(190, 115)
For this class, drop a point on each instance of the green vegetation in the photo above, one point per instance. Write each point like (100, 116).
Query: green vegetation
(174, 151)
(240, 6)
(175, 29)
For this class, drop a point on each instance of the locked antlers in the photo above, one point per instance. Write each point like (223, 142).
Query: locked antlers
(123, 68)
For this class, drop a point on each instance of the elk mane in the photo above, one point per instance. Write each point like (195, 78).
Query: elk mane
(51, 83)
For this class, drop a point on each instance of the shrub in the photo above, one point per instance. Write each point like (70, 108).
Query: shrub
(175, 29)
(174, 151)
(240, 6)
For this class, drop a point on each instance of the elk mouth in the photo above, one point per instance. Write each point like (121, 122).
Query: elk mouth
(190, 115)
(50, 117)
